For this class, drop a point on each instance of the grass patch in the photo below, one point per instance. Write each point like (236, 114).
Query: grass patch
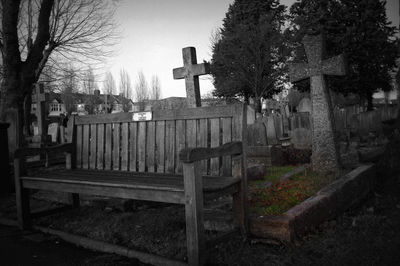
(283, 195)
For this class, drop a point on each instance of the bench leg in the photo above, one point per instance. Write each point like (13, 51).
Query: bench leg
(193, 185)
(74, 199)
(240, 204)
(239, 210)
(22, 197)
(23, 208)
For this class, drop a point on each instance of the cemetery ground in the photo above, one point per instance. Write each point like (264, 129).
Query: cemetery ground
(367, 234)
(284, 187)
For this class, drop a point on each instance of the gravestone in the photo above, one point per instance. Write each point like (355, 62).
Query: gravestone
(286, 125)
(286, 111)
(304, 105)
(251, 115)
(53, 131)
(301, 138)
(278, 125)
(325, 154)
(191, 72)
(257, 134)
(271, 131)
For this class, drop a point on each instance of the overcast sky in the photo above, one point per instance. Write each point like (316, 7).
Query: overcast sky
(155, 31)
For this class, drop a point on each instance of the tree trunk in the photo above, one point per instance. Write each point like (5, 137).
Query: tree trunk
(257, 104)
(20, 76)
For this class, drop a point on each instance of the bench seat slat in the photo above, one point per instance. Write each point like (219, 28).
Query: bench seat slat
(106, 190)
(129, 180)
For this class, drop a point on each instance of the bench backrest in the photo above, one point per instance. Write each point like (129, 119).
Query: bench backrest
(116, 142)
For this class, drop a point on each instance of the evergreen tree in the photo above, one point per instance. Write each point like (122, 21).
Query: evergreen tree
(248, 53)
(358, 28)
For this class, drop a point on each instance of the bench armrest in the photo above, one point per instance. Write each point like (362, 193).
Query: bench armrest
(188, 155)
(22, 152)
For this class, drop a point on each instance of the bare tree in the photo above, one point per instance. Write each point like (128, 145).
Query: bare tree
(89, 82)
(68, 86)
(109, 86)
(141, 90)
(155, 88)
(125, 84)
(79, 30)
(39, 33)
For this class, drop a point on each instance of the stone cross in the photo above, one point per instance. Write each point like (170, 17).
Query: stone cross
(325, 154)
(191, 72)
(41, 98)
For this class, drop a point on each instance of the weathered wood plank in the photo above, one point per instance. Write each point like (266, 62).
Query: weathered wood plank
(239, 166)
(226, 138)
(195, 237)
(202, 140)
(56, 149)
(85, 147)
(197, 154)
(116, 146)
(79, 138)
(240, 199)
(71, 129)
(180, 144)
(237, 122)
(93, 146)
(109, 191)
(100, 146)
(132, 179)
(215, 142)
(124, 146)
(150, 146)
(191, 128)
(142, 146)
(133, 147)
(160, 146)
(190, 113)
(170, 147)
(108, 144)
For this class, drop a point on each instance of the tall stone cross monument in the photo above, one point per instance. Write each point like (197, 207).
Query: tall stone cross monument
(191, 72)
(325, 154)
(41, 99)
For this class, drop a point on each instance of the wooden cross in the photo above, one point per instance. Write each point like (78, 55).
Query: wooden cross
(191, 72)
(325, 155)
(40, 98)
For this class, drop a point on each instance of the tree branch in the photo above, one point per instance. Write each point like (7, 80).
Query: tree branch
(43, 35)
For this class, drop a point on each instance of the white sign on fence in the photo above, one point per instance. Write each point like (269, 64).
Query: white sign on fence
(142, 116)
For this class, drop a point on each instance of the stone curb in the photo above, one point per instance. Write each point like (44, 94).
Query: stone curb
(328, 203)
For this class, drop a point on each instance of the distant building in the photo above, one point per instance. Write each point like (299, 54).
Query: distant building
(84, 104)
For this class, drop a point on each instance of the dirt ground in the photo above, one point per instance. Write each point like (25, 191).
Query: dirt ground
(369, 234)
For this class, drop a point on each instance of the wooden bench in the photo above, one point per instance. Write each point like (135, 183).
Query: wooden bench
(179, 156)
